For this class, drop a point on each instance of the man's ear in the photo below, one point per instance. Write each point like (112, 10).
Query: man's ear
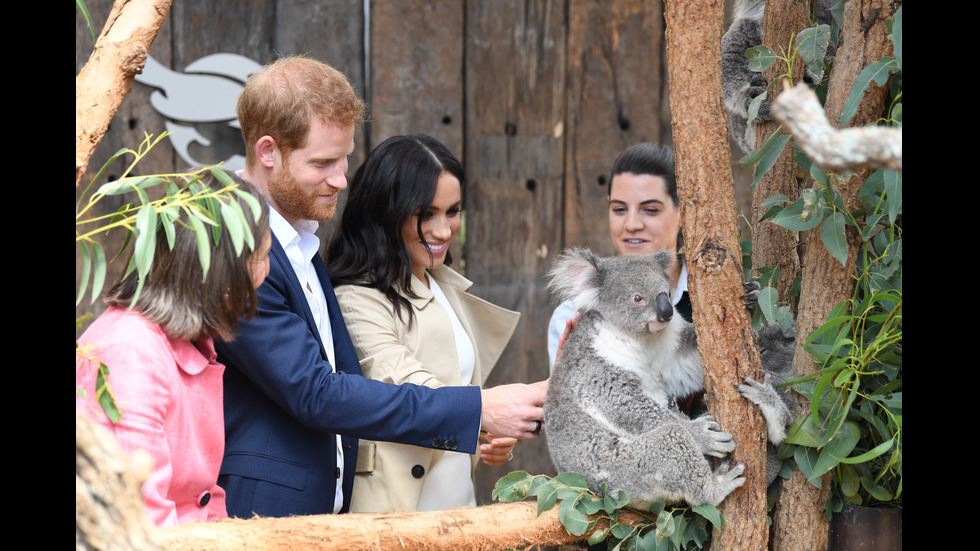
(266, 151)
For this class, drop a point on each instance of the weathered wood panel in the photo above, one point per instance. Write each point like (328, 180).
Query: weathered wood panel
(416, 71)
(515, 109)
(615, 83)
(333, 32)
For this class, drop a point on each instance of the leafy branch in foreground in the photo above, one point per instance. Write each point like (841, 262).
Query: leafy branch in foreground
(582, 512)
(203, 208)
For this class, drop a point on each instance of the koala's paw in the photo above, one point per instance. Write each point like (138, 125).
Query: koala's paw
(710, 438)
(773, 408)
(751, 297)
(723, 482)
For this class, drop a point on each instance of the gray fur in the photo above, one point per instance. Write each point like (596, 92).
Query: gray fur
(609, 412)
(740, 84)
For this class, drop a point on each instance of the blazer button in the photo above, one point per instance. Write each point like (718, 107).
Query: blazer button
(203, 498)
(452, 445)
(336, 472)
(418, 471)
(437, 443)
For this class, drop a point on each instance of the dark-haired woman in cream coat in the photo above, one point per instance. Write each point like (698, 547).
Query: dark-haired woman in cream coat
(411, 318)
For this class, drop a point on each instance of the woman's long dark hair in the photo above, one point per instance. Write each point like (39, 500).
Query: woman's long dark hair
(397, 180)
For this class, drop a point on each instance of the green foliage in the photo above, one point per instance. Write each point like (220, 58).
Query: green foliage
(83, 9)
(207, 212)
(854, 426)
(581, 511)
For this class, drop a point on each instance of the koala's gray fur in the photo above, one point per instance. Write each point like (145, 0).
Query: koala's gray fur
(740, 84)
(609, 412)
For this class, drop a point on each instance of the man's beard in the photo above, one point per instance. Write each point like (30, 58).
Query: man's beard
(294, 201)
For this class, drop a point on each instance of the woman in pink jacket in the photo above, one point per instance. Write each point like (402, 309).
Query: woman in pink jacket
(160, 354)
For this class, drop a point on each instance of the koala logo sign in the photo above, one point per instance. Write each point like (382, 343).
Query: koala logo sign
(200, 103)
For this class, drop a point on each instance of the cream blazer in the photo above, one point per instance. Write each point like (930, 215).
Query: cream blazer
(389, 476)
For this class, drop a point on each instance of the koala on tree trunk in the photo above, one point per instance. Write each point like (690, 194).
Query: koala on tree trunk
(610, 410)
(740, 84)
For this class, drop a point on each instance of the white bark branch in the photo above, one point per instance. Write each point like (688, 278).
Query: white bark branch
(832, 149)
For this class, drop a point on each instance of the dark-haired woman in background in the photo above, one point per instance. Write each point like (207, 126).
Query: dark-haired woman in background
(644, 218)
(164, 375)
(410, 317)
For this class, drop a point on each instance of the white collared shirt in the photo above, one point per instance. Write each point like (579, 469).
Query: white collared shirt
(301, 244)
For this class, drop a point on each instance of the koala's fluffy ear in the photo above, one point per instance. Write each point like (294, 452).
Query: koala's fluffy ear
(575, 275)
(663, 259)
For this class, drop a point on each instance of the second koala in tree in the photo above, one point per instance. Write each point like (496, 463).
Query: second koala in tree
(740, 84)
(609, 412)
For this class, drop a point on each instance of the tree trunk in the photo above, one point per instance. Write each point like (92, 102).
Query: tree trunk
(800, 522)
(774, 245)
(725, 338)
(120, 53)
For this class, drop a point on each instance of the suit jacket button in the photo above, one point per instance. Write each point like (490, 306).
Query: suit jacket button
(437, 443)
(452, 445)
(418, 471)
(337, 472)
(203, 498)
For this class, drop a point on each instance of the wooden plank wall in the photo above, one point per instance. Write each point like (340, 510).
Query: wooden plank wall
(537, 97)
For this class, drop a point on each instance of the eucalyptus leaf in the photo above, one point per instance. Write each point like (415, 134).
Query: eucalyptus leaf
(252, 201)
(870, 454)
(893, 193)
(833, 237)
(896, 35)
(598, 535)
(513, 486)
(104, 395)
(571, 518)
(83, 251)
(769, 158)
(754, 157)
(777, 199)
(573, 480)
(222, 177)
(753, 112)
(813, 43)
(769, 303)
(665, 525)
(711, 513)
(621, 531)
(232, 219)
(876, 72)
(849, 482)
(203, 245)
(98, 270)
(146, 239)
(838, 448)
(760, 58)
(796, 217)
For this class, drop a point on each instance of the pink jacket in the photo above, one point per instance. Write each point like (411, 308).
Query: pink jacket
(170, 394)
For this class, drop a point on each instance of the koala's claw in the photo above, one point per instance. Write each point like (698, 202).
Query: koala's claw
(711, 439)
(724, 481)
(751, 296)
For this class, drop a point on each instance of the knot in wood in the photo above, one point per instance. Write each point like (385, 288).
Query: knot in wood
(134, 62)
(712, 256)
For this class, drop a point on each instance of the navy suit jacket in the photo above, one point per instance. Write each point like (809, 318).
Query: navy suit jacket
(284, 405)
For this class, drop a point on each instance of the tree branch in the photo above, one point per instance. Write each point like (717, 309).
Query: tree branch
(836, 150)
(103, 83)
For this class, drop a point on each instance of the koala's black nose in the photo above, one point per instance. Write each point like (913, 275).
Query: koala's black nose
(665, 310)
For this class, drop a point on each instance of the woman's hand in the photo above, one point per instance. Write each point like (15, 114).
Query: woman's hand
(497, 450)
